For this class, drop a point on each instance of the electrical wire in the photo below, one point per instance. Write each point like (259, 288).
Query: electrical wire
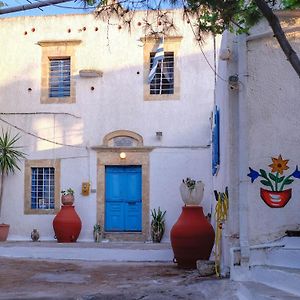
(39, 137)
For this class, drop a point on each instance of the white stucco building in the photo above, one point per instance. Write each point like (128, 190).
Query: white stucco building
(74, 129)
(257, 95)
(77, 132)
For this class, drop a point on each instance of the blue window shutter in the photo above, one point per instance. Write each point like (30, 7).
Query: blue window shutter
(216, 142)
(60, 78)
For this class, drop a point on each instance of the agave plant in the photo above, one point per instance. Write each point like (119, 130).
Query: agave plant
(10, 156)
(157, 224)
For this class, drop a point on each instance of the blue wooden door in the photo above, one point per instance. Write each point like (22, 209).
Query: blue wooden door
(123, 198)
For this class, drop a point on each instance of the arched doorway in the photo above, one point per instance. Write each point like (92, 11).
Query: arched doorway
(123, 186)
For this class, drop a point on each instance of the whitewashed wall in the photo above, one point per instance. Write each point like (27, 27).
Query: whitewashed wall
(273, 96)
(116, 103)
(269, 90)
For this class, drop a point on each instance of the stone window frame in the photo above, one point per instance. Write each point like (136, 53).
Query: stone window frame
(58, 50)
(42, 163)
(171, 44)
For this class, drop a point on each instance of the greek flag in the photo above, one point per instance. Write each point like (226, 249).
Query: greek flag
(159, 56)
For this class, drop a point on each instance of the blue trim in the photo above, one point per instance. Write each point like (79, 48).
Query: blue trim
(216, 142)
(123, 198)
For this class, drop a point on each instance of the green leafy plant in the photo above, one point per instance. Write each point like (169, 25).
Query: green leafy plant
(157, 224)
(69, 191)
(10, 156)
(190, 183)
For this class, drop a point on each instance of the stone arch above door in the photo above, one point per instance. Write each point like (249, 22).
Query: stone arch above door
(108, 154)
(123, 138)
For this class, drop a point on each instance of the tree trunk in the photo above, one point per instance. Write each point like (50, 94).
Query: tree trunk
(279, 34)
(1, 190)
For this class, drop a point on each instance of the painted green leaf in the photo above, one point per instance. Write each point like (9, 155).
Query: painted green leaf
(276, 179)
(288, 181)
(273, 177)
(280, 179)
(265, 182)
(263, 173)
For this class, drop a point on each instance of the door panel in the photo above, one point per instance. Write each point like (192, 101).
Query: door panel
(123, 198)
(115, 221)
(133, 220)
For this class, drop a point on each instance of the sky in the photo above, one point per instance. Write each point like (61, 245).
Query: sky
(72, 7)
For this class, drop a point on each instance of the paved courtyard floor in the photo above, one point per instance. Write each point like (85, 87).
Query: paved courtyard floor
(40, 279)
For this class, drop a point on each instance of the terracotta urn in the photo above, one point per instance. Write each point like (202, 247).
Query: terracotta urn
(67, 199)
(4, 229)
(192, 196)
(192, 237)
(67, 225)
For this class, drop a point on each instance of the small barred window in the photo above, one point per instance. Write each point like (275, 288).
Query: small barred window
(60, 78)
(163, 81)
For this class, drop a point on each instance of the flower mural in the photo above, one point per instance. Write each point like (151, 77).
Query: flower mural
(276, 196)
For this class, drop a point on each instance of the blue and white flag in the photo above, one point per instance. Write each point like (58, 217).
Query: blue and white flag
(159, 56)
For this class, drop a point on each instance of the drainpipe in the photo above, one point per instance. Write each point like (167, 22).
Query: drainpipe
(243, 156)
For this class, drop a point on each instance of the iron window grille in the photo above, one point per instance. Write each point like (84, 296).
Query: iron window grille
(59, 77)
(42, 188)
(163, 81)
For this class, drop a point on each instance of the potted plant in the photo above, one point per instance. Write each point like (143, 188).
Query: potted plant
(191, 191)
(10, 156)
(97, 233)
(157, 225)
(67, 197)
(276, 196)
(192, 236)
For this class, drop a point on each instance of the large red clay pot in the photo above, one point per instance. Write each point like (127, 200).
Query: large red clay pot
(4, 228)
(192, 237)
(67, 225)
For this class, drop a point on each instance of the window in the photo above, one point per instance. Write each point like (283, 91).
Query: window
(165, 84)
(58, 71)
(59, 77)
(42, 186)
(163, 81)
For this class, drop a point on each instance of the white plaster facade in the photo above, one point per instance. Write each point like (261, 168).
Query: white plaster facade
(116, 103)
(259, 120)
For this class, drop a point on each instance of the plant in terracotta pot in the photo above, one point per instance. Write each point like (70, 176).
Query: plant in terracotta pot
(67, 197)
(192, 236)
(191, 191)
(157, 225)
(10, 156)
(276, 196)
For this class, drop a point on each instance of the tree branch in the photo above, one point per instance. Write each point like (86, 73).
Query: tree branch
(31, 6)
(279, 34)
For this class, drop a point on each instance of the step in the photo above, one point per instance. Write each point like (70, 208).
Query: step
(258, 291)
(283, 278)
(131, 252)
(284, 257)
